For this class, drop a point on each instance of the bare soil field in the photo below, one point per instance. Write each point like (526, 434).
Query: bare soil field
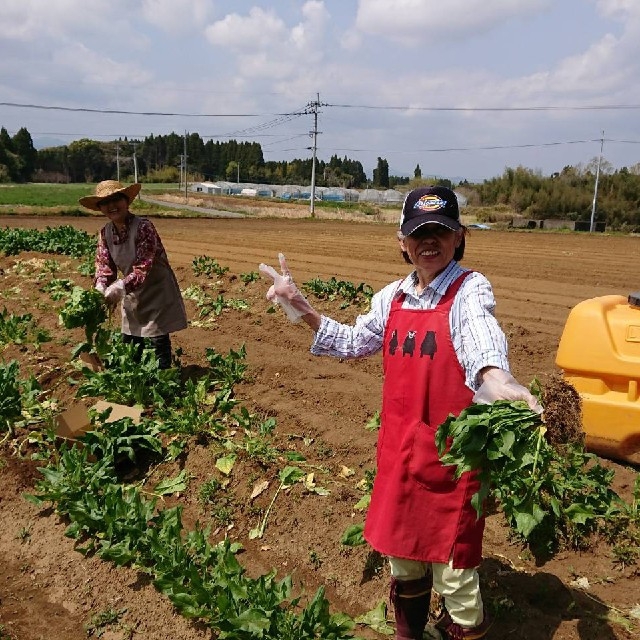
(50, 591)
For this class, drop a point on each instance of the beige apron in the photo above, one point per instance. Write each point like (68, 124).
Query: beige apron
(156, 308)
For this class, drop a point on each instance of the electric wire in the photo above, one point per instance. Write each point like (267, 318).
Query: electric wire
(616, 107)
(141, 113)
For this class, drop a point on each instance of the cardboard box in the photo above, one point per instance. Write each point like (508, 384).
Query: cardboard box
(74, 422)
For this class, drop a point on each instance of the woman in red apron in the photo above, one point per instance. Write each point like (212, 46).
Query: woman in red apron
(152, 305)
(440, 343)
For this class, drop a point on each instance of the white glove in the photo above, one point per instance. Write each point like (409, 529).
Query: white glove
(284, 292)
(100, 287)
(501, 385)
(115, 292)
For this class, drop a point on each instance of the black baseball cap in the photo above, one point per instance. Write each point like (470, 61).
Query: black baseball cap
(429, 205)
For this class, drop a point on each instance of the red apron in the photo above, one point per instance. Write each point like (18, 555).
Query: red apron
(418, 511)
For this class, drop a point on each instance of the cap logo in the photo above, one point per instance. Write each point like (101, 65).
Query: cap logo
(429, 203)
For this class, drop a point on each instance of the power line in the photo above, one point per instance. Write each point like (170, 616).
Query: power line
(267, 125)
(311, 108)
(299, 135)
(492, 147)
(308, 109)
(472, 109)
(144, 135)
(144, 113)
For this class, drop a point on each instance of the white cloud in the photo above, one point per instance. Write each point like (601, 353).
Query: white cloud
(259, 30)
(267, 47)
(420, 21)
(310, 31)
(177, 16)
(70, 51)
(351, 40)
(614, 8)
(98, 69)
(31, 19)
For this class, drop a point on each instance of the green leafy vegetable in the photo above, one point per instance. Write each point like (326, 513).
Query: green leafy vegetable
(84, 308)
(548, 495)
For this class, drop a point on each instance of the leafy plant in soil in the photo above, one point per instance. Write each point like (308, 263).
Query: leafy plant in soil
(208, 266)
(10, 402)
(208, 305)
(58, 288)
(331, 289)
(18, 399)
(127, 380)
(20, 330)
(65, 240)
(202, 580)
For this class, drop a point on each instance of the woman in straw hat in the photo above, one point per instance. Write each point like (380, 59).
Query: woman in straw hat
(152, 305)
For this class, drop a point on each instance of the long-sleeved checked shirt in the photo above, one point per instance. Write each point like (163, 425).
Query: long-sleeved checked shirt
(477, 337)
(148, 249)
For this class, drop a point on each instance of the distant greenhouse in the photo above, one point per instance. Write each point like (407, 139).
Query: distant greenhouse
(371, 195)
(303, 192)
(392, 195)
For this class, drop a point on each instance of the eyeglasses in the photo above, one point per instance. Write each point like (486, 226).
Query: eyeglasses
(111, 199)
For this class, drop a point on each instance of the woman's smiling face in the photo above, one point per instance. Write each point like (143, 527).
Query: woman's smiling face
(430, 248)
(115, 207)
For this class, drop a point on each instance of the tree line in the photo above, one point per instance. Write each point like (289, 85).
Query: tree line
(162, 159)
(566, 194)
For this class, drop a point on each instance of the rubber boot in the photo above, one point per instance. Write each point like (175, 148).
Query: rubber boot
(411, 600)
(450, 630)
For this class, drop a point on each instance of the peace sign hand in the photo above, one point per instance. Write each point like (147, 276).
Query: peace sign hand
(284, 292)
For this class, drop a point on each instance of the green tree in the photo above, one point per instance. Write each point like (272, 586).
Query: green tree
(87, 162)
(232, 170)
(9, 169)
(26, 153)
(381, 174)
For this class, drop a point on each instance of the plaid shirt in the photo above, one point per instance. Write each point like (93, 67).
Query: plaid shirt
(477, 337)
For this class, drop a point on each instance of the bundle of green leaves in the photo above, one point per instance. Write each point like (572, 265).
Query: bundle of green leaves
(550, 496)
(84, 308)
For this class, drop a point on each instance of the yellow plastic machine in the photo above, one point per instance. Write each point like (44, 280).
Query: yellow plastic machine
(599, 353)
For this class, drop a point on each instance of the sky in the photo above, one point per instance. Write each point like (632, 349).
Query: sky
(462, 88)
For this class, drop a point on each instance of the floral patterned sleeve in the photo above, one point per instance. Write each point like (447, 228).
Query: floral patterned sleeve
(106, 270)
(147, 246)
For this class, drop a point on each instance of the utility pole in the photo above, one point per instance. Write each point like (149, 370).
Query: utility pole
(184, 155)
(135, 164)
(237, 172)
(313, 106)
(592, 226)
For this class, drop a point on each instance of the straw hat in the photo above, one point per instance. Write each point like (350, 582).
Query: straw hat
(108, 188)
